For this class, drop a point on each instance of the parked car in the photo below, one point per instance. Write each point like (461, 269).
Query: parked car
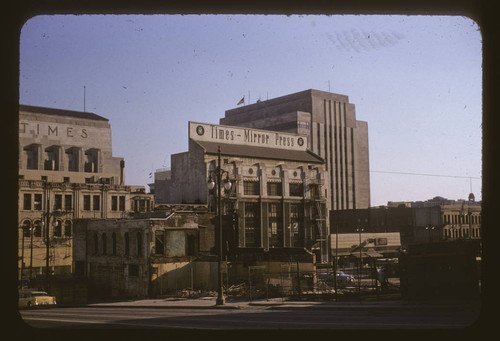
(35, 298)
(343, 279)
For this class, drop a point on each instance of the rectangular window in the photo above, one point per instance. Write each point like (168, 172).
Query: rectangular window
(114, 203)
(79, 268)
(72, 161)
(66, 179)
(68, 202)
(86, 202)
(314, 191)
(38, 202)
(104, 243)
(251, 187)
(58, 202)
(139, 244)
(252, 225)
(160, 242)
(296, 189)
(191, 244)
(274, 188)
(31, 159)
(27, 202)
(297, 225)
(126, 239)
(113, 241)
(133, 270)
(122, 203)
(275, 225)
(96, 203)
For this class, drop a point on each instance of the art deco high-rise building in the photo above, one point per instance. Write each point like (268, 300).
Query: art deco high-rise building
(329, 121)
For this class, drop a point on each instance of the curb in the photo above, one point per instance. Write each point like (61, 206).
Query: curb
(162, 306)
(293, 305)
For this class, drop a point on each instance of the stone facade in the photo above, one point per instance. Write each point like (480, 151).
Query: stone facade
(329, 122)
(278, 190)
(66, 172)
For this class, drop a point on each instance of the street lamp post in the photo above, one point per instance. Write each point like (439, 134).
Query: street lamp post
(47, 243)
(360, 259)
(219, 173)
(429, 229)
(22, 256)
(31, 252)
(336, 259)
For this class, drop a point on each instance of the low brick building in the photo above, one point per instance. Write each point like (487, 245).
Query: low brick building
(144, 257)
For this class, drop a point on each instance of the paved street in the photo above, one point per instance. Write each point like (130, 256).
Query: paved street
(272, 314)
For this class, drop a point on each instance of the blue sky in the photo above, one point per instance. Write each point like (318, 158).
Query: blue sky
(416, 80)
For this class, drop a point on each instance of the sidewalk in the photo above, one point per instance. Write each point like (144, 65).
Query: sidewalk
(280, 304)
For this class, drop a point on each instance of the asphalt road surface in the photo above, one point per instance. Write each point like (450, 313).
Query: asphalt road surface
(238, 319)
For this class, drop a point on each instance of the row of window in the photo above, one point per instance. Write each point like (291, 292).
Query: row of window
(61, 229)
(276, 189)
(65, 202)
(113, 251)
(252, 226)
(461, 219)
(161, 241)
(461, 233)
(51, 158)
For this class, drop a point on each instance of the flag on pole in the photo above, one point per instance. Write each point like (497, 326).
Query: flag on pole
(241, 101)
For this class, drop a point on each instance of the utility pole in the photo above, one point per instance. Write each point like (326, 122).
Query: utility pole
(47, 241)
(22, 257)
(218, 174)
(31, 252)
(359, 229)
(335, 264)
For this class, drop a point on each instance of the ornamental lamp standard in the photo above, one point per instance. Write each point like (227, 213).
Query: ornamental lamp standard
(218, 173)
(31, 251)
(429, 229)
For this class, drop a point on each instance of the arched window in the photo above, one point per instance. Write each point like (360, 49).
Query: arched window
(58, 228)
(104, 243)
(139, 244)
(37, 231)
(26, 228)
(96, 244)
(127, 243)
(67, 228)
(113, 237)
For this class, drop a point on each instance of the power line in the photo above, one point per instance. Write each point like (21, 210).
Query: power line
(423, 174)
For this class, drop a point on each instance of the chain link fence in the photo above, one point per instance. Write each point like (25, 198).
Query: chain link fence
(291, 282)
